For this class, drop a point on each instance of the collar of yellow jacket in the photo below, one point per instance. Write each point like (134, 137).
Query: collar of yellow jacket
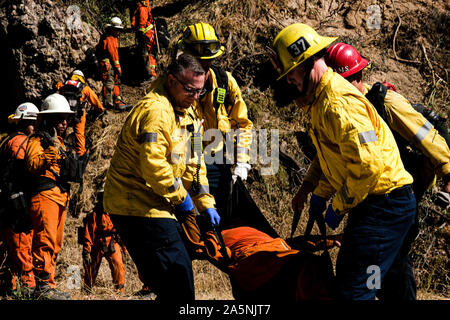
(326, 77)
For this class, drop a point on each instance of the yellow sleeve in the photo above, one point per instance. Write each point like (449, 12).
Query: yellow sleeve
(324, 189)
(360, 150)
(414, 127)
(239, 120)
(154, 137)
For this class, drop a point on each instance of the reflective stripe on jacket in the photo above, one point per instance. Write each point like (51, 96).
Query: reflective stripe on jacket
(142, 19)
(227, 117)
(356, 150)
(415, 128)
(149, 171)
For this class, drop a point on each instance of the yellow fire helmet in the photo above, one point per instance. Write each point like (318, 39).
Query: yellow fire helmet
(201, 41)
(295, 44)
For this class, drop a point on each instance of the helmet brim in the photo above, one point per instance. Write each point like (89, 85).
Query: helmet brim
(183, 47)
(364, 63)
(325, 42)
(52, 111)
(114, 27)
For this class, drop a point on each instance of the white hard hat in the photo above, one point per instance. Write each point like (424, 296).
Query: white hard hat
(25, 111)
(55, 103)
(115, 22)
(78, 73)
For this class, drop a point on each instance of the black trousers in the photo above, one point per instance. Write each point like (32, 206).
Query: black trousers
(160, 256)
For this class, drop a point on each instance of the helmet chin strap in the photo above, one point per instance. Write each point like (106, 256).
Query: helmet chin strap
(309, 63)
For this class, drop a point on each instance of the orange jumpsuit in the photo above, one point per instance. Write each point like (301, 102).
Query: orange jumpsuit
(19, 243)
(87, 95)
(48, 209)
(142, 21)
(110, 69)
(100, 239)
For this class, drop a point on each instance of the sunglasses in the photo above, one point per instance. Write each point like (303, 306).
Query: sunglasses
(190, 91)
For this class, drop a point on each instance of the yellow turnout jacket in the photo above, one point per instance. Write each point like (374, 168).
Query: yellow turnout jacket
(153, 167)
(415, 128)
(356, 150)
(226, 117)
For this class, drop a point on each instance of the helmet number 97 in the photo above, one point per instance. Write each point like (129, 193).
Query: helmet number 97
(298, 47)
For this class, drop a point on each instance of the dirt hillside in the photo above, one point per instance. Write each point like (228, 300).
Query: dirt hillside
(409, 46)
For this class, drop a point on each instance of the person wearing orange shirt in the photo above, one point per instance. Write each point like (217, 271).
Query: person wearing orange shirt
(18, 234)
(86, 94)
(111, 71)
(143, 23)
(102, 240)
(44, 158)
(79, 95)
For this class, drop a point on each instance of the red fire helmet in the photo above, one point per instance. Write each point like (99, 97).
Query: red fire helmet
(345, 59)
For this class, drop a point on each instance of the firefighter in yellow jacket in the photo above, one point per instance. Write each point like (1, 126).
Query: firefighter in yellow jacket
(359, 158)
(410, 128)
(156, 176)
(222, 108)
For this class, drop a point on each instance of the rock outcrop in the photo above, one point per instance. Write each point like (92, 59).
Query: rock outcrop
(42, 42)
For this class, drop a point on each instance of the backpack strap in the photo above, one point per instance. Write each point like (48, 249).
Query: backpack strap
(376, 96)
(18, 150)
(222, 93)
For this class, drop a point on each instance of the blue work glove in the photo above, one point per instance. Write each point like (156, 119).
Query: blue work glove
(187, 206)
(213, 216)
(332, 219)
(317, 205)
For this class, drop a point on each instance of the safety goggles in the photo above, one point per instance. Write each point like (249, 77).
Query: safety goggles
(205, 48)
(190, 91)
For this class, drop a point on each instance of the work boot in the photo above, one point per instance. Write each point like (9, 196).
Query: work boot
(24, 292)
(145, 293)
(147, 81)
(121, 106)
(45, 292)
